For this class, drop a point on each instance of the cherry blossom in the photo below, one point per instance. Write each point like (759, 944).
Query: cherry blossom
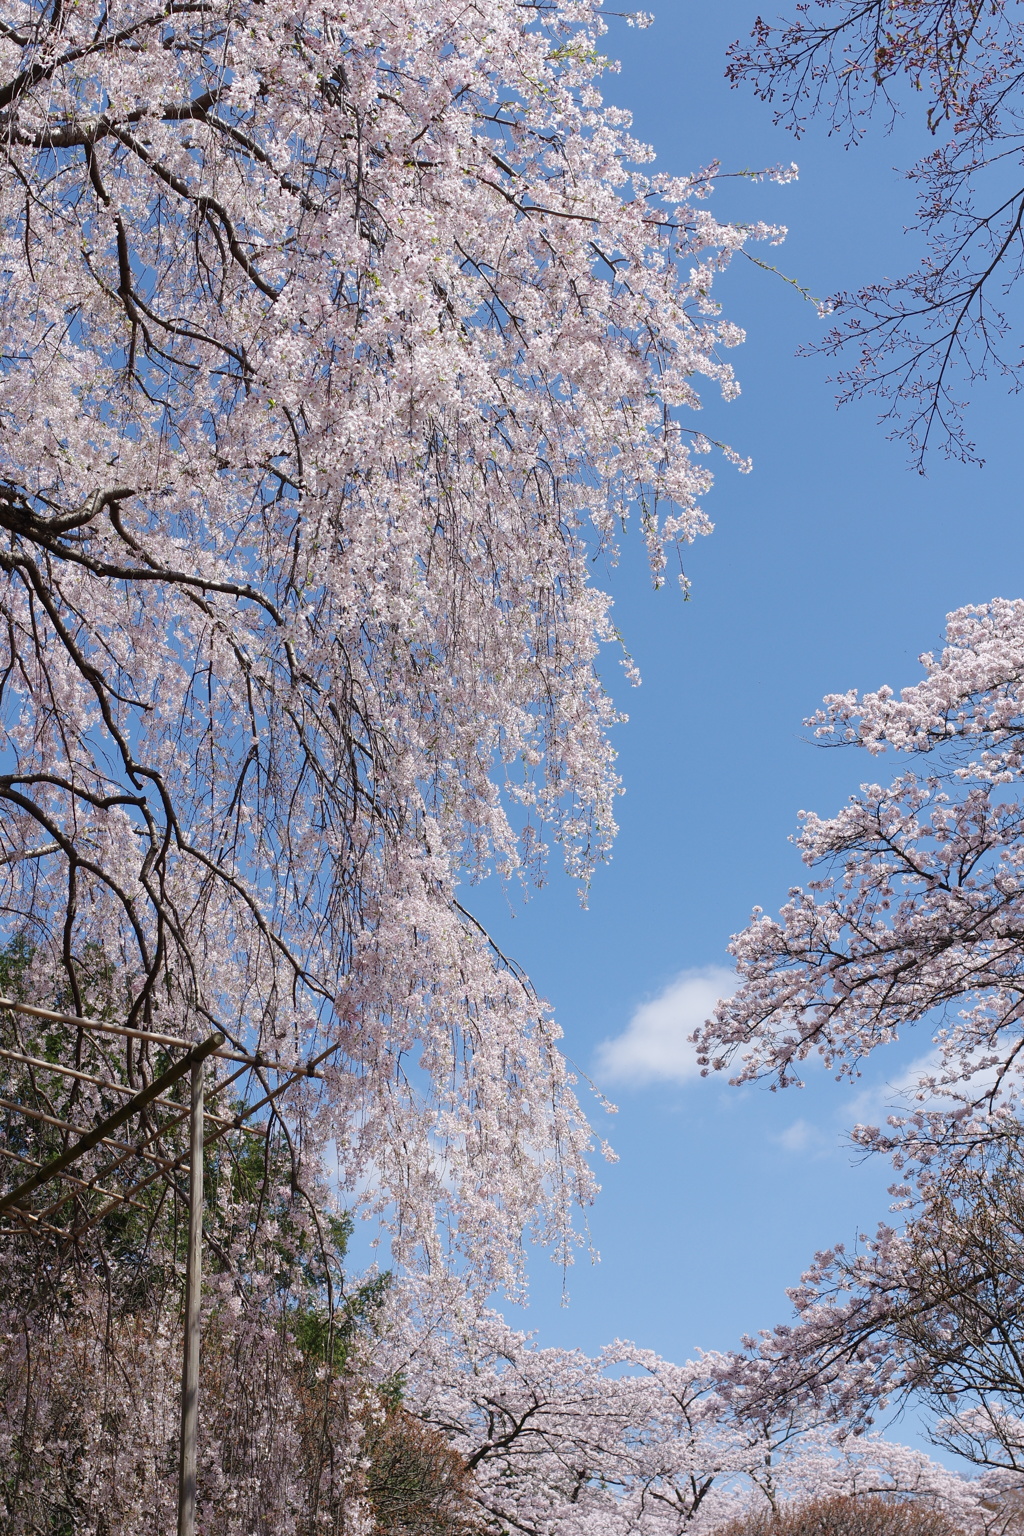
(550, 1440)
(335, 349)
(915, 916)
(628, 1442)
(918, 341)
(926, 1313)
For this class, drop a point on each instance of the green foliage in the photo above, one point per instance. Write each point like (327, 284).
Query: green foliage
(327, 1338)
(15, 959)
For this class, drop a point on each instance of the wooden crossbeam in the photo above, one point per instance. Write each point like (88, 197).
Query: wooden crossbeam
(100, 1082)
(101, 1132)
(258, 1060)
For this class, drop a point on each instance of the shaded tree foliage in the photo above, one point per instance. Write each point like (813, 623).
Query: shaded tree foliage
(844, 1515)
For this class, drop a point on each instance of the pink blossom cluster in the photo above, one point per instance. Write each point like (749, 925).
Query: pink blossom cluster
(915, 914)
(333, 348)
(629, 1443)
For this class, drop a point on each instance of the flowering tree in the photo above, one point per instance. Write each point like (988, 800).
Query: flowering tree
(333, 349)
(931, 1311)
(915, 918)
(437, 1430)
(630, 1443)
(916, 913)
(293, 1437)
(919, 340)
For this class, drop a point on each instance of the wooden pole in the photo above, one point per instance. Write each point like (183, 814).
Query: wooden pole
(193, 1286)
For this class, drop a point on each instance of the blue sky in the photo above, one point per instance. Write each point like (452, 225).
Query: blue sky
(832, 565)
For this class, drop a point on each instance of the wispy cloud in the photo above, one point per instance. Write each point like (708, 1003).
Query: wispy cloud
(922, 1085)
(898, 1095)
(802, 1136)
(654, 1046)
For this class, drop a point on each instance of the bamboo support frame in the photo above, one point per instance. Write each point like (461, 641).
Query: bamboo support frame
(100, 1082)
(165, 1167)
(169, 1167)
(259, 1060)
(60, 1125)
(191, 1062)
(128, 1149)
(70, 1178)
(100, 1133)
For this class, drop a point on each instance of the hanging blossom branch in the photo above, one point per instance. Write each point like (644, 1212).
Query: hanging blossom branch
(330, 351)
(919, 341)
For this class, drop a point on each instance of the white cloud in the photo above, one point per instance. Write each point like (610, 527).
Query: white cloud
(799, 1137)
(654, 1045)
(896, 1096)
(911, 1089)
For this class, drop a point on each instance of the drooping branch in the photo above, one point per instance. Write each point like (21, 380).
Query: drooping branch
(918, 342)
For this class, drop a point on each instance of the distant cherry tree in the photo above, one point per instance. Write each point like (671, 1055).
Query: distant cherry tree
(630, 1444)
(914, 920)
